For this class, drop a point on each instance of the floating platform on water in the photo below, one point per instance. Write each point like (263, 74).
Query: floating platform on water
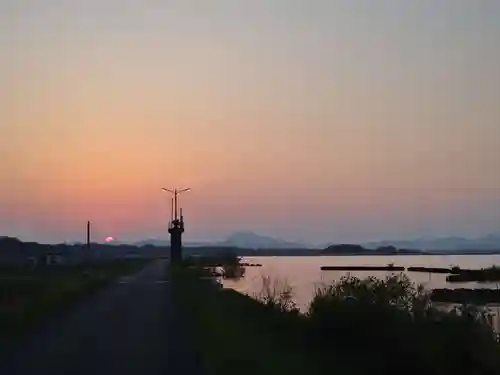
(429, 269)
(240, 264)
(250, 265)
(481, 276)
(362, 268)
(466, 296)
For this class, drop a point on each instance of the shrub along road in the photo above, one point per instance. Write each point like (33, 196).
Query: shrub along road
(129, 327)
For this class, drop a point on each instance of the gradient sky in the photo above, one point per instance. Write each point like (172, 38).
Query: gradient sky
(309, 120)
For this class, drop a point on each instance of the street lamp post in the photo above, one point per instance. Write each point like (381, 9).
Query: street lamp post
(175, 192)
(176, 227)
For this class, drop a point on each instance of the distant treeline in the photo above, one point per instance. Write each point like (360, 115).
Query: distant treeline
(12, 250)
(358, 249)
(16, 252)
(343, 249)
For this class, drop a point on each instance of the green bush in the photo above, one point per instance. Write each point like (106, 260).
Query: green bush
(228, 262)
(388, 323)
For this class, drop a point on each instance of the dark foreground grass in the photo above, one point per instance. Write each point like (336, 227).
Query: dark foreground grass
(353, 326)
(237, 334)
(30, 296)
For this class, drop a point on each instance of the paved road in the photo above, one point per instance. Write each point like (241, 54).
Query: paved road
(130, 327)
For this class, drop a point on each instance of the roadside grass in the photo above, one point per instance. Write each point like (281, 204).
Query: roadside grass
(29, 296)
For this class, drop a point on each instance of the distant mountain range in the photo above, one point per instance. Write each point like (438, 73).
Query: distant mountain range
(250, 240)
(489, 242)
(247, 240)
(255, 241)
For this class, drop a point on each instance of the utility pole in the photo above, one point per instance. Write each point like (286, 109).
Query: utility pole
(88, 254)
(176, 226)
(88, 235)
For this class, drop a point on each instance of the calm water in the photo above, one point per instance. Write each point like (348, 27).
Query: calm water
(304, 274)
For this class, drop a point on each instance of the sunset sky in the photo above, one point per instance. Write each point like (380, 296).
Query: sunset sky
(309, 120)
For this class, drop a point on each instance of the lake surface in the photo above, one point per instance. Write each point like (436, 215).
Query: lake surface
(304, 274)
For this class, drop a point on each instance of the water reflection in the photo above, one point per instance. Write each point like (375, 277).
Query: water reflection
(304, 274)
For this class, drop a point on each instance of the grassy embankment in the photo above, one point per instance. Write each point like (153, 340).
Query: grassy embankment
(353, 327)
(236, 334)
(29, 296)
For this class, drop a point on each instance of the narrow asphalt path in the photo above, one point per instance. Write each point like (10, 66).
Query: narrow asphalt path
(131, 327)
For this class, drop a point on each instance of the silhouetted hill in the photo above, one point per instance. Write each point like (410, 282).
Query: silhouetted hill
(351, 249)
(455, 244)
(243, 239)
(250, 240)
(153, 242)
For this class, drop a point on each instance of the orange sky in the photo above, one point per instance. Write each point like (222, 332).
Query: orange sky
(365, 127)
